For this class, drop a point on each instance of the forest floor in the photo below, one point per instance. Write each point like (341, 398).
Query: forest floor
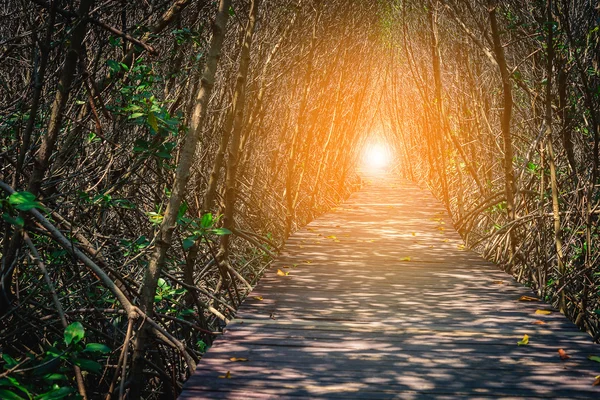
(379, 299)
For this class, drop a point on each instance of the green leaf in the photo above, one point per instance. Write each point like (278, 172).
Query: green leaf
(74, 333)
(136, 115)
(97, 348)
(8, 395)
(152, 121)
(88, 365)
(163, 284)
(189, 242)
(18, 221)
(56, 393)
(594, 358)
(10, 362)
(221, 231)
(206, 221)
(23, 201)
(56, 377)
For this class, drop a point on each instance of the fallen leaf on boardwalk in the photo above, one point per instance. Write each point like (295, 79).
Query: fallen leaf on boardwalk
(523, 341)
(461, 246)
(281, 273)
(597, 381)
(331, 237)
(498, 282)
(272, 316)
(563, 354)
(446, 240)
(307, 262)
(226, 376)
(528, 298)
(543, 312)
(594, 358)
(286, 266)
(311, 229)
(405, 259)
(414, 233)
(258, 298)
(238, 359)
(301, 247)
(371, 241)
(538, 322)
(294, 265)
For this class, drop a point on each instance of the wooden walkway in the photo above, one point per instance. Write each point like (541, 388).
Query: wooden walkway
(382, 301)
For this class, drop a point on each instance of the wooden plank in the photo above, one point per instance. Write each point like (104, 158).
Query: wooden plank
(358, 322)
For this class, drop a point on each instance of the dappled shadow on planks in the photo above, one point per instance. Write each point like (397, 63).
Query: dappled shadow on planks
(382, 301)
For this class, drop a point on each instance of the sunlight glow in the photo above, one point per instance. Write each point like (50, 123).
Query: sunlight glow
(376, 155)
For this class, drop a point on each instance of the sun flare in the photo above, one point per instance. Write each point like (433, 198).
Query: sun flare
(376, 156)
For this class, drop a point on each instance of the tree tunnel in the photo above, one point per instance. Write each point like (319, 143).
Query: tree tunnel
(155, 157)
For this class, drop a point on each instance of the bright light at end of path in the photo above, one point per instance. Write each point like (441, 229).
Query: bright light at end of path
(377, 156)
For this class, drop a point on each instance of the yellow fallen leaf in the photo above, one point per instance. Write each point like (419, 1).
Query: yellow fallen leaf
(260, 298)
(307, 262)
(543, 312)
(446, 240)
(281, 273)
(331, 237)
(226, 376)
(414, 233)
(523, 341)
(461, 246)
(405, 259)
(301, 247)
(238, 359)
(528, 298)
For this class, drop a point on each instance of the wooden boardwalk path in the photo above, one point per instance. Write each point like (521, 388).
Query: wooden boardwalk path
(381, 301)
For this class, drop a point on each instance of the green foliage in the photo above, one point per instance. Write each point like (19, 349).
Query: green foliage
(44, 377)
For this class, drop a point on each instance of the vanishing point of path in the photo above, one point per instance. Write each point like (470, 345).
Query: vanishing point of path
(381, 301)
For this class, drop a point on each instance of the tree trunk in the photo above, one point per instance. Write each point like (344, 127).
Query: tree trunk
(182, 175)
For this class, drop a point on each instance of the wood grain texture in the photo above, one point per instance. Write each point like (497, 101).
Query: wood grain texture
(381, 302)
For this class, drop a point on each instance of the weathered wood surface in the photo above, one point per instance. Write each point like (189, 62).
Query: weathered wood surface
(356, 318)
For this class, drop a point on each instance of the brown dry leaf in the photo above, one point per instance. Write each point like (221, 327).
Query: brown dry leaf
(226, 376)
(563, 354)
(498, 282)
(543, 312)
(597, 381)
(528, 298)
(238, 359)
(260, 298)
(538, 322)
(281, 273)
(286, 266)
